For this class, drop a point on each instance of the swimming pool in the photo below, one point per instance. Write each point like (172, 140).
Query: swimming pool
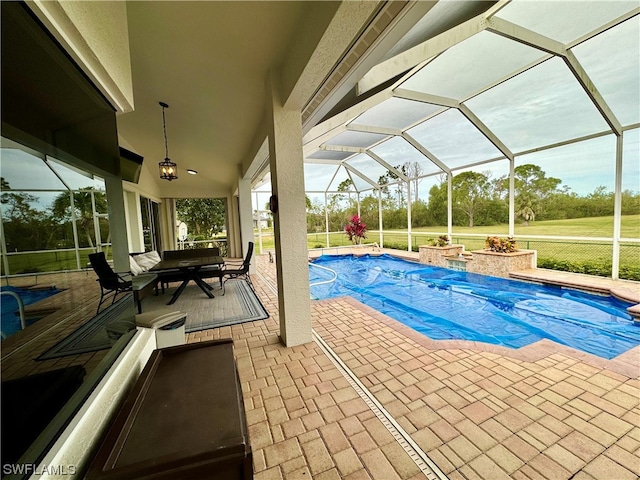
(447, 304)
(10, 319)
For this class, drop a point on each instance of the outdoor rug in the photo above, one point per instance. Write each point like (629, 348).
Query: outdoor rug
(92, 335)
(239, 304)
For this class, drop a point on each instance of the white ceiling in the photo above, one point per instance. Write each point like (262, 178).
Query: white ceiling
(209, 62)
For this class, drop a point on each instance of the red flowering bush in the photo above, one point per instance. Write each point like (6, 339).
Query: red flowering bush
(356, 229)
(501, 245)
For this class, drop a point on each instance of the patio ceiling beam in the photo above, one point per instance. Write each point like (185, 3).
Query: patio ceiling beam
(373, 129)
(336, 124)
(323, 161)
(527, 37)
(361, 175)
(426, 98)
(424, 51)
(418, 146)
(343, 148)
(592, 92)
(466, 111)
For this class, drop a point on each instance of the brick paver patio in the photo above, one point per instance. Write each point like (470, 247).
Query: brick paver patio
(478, 411)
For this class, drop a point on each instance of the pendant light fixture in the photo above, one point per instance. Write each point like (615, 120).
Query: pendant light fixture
(168, 169)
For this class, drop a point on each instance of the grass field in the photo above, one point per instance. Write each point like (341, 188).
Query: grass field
(561, 250)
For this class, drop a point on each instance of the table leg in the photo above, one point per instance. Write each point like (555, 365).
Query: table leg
(203, 285)
(177, 293)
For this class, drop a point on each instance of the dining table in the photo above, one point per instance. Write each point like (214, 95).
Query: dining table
(190, 268)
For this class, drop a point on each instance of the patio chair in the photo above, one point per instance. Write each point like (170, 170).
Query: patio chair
(110, 281)
(234, 269)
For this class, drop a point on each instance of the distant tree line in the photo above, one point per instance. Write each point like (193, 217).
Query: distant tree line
(27, 228)
(477, 200)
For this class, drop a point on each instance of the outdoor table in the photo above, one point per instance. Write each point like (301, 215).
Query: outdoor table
(190, 268)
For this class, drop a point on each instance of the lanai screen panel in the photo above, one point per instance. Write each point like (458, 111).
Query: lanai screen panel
(396, 113)
(341, 176)
(631, 161)
(317, 176)
(542, 106)
(329, 155)
(454, 140)
(397, 151)
(564, 21)
(472, 65)
(356, 139)
(612, 61)
(367, 165)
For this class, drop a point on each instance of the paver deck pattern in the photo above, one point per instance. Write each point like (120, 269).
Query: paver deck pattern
(479, 411)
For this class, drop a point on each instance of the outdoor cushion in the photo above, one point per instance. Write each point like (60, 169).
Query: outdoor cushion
(134, 267)
(147, 260)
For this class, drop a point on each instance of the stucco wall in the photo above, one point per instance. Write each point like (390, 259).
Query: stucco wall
(96, 35)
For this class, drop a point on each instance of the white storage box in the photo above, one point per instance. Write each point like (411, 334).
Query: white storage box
(168, 324)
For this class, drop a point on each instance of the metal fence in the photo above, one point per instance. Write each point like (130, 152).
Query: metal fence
(570, 254)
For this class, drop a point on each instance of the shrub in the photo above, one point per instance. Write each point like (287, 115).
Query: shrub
(441, 241)
(356, 229)
(501, 245)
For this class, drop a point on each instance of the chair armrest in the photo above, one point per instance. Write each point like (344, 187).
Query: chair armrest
(122, 275)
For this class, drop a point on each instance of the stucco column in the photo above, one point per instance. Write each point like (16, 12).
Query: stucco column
(117, 223)
(290, 221)
(246, 218)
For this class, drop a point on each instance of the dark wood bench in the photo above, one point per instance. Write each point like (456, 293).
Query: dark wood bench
(184, 419)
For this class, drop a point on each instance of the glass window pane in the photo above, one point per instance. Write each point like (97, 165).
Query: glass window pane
(396, 113)
(539, 107)
(397, 151)
(564, 21)
(36, 221)
(317, 176)
(612, 61)
(470, 66)
(454, 140)
(356, 139)
(75, 178)
(23, 171)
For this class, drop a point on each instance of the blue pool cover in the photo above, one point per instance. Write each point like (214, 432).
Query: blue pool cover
(447, 304)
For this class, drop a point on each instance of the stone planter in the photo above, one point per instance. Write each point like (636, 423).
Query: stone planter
(437, 255)
(497, 264)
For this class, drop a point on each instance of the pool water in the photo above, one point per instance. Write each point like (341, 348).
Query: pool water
(10, 317)
(447, 304)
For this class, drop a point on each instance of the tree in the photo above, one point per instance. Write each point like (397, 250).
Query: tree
(82, 209)
(203, 216)
(437, 205)
(413, 170)
(532, 188)
(468, 191)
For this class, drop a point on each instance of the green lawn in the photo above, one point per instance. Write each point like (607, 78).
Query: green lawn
(566, 251)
